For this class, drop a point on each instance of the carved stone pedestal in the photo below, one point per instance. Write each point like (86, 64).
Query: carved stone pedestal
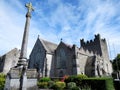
(13, 79)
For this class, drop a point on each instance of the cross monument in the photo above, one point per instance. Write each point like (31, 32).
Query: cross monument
(23, 54)
(20, 77)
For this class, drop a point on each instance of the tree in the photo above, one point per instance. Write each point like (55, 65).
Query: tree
(116, 63)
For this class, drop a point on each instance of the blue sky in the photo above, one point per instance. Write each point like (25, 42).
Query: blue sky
(70, 20)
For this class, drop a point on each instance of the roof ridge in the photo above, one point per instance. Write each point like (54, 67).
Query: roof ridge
(43, 44)
(13, 49)
(68, 45)
(49, 46)
(48, 41)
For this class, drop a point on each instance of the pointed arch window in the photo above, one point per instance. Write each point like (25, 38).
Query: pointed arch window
(61, 59)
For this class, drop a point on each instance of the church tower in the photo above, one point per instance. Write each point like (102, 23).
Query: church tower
(99, 49)
(98, 46)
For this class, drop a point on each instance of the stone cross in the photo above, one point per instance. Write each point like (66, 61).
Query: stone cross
(23, 54)
(29, 6)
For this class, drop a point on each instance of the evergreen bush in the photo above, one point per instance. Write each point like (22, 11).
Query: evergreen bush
(81, 76)
(43, 85)
(70, 85)
(59, 85)
(44, 79)
(75, 88)
(43, 82)
(51, 84)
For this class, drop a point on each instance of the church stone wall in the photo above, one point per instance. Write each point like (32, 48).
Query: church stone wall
(50, 65)
(108, 67)
(99, 48)
(90, 66)
(63, 60)
(37, 58)
(9, 60)
(81, 62)
(104, 49)
(2, 61)
(91, 58)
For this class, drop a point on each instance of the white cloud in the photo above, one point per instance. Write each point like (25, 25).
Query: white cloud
(12, 27)
(55, 19)
(83, 21)
(9, 28)
(101, 20)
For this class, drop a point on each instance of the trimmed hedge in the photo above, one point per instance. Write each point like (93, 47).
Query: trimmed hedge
(72, 86)
(76, 78)
(84, 82)
(76, 82)
(43, 85)
(43, 82)
(44, 79)
(51, 84)
(58, 85)
(99, 83)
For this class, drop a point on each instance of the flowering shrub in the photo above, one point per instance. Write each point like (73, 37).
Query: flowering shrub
(42, 84)
(65, 77)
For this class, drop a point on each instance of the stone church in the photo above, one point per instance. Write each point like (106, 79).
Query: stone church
(9, 60)
(54, 60)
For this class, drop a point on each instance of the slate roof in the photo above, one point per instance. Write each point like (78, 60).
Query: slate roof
(49, 46)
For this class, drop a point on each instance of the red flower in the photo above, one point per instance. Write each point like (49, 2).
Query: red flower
(64, 77)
